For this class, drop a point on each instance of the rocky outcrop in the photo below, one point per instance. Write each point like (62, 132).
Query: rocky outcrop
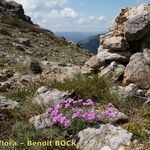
(138, 71)
(15, 9)
(106, 137)
(127, 44)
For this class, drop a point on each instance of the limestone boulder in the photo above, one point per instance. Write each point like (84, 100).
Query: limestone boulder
(41, 121)
(127, 91)
(112, 72)
(104, 55)
(105, 137)
(115, 43)
(45, 96)
(92, 65)
(138, 71)
(138, 22)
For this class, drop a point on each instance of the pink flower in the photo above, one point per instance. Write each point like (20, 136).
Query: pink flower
(62, 119)
(58, 106)
(110, 112)
(67, 105)
(54, 112)
(49, 110)
(88, 102)
(77, 113)
(67, 123)
(75, 102)
(90, 116)
(54, 120)
(80, 101)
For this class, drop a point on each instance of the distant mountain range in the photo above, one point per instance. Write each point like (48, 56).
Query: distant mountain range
(87, 40)
(91, 43)
(75, 36)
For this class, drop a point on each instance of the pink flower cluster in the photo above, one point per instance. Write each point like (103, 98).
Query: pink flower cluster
(110, 111)
(78, 109)
(88, 116)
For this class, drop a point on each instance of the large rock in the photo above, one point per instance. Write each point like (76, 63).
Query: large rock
(8, 104)
(68, 71)
(112, 72)
(145, 48)
(115, 43)
(92, 65)
(41, 121)
(45, 96)
(127, 91)
(107, 137)
(138, 71)
(104, 55)
(138, 22)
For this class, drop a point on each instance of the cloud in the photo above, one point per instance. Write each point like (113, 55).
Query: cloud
(91, 20)
(68, 12)
(55, 15)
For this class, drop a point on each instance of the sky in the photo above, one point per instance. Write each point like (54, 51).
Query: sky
(75, 15)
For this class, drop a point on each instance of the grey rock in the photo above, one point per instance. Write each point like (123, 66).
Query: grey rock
(8, 104)
(113, 43)
(106, 137)
(105, 55)
(113, 71)
(92, 65)
(145, 48)
(6, 74)
(138, 71)
(45, 96)
(24, 41)
(2, 9)
(138, 23)
(40, 121)
(127, 91)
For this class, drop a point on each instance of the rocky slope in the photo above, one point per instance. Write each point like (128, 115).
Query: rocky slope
(20, 39)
